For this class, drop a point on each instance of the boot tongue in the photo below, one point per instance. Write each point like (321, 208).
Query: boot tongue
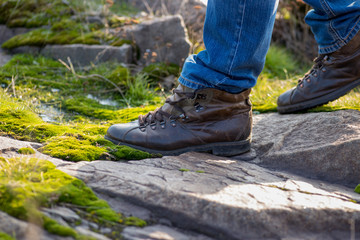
(175, 97)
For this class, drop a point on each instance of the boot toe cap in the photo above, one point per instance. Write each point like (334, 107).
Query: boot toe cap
(119, 131)
(285, 98)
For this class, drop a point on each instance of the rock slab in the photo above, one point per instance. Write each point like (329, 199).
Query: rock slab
(325, 146)
(85, 54)
(192, 11)
(266, 196)
(7, 33)
(24, 231)
(159, 40)
(228, 199)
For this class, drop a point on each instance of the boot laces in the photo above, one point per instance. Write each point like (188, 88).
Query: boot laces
(158, 115)
(318, 65)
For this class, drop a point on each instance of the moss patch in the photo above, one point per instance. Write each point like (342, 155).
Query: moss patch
(57, 25)
(4, 236)
(158, 71)
(26, 185)
(26, 151)
(72, 142)
(357, 189)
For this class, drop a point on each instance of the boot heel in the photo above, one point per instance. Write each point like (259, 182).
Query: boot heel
(235, 148)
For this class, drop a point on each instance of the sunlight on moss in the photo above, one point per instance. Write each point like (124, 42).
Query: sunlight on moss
(357, 189)
(26, 151)
(72, 142)
(26, 185)
(4, 236)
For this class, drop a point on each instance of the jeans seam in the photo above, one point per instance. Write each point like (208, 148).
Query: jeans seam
(343, 41)
(332, 28)
(193, 82)
(327, 8)
(233, 55)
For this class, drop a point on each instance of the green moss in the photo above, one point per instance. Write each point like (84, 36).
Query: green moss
(54, 227)
(72, 149)
(157, 71)
(280, 63)
(26, 151)
(26, 185)
(4, 236)
(184, 170)
(78, 142)
(42, 37)
(24, 124)
(86, 148)
(119, 75)
(92, 108)
(134, 221)
(33, 13)
(357, 189)
(120, 42)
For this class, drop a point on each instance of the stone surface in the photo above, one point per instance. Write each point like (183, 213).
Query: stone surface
(89, 233)
(159, 40)
(7, 33)
(158, 232)
(65, 213)
(192, 11)
(24, 231)
(4, 57)
(317, 145)
(265, 196)
(26, 49)
(81, 54)
(231, 199)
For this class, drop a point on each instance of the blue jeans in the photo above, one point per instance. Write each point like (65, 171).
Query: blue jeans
(237, 36)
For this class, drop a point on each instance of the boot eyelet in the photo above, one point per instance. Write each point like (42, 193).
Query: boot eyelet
(308, 80)
(153, 126)
(162, 124)
(315, 75)
(142, 128)
(301, 85)
(324, 69)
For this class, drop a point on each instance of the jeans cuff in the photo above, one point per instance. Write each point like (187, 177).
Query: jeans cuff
(338, 45)
(192, 84)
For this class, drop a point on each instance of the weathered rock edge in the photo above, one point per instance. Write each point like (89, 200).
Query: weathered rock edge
(231, 200)
(161, 39)
(323, 146)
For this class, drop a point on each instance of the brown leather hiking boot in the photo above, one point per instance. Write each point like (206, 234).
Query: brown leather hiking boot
(331, 77)
(206, 120)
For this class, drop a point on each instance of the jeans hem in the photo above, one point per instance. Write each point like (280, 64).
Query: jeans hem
(340, 44)
(191, 84)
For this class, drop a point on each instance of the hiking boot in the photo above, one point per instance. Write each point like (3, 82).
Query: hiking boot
(205, 120)
(332, 76)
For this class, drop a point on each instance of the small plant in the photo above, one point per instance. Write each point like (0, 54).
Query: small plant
(184, 170)
(357, 189)
(26, 151)
(4, 236)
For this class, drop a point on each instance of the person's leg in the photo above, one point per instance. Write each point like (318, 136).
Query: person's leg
(237, 36)
(210, 110)
(333, 22)
(336, 25)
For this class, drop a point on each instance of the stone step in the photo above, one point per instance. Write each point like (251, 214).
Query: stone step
(323, 146)
(275, 194)
(228, 199)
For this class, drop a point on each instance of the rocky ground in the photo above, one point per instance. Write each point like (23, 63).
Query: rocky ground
(296, 183)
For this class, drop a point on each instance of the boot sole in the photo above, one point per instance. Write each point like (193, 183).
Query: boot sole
(226, 149)
(318, 101)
